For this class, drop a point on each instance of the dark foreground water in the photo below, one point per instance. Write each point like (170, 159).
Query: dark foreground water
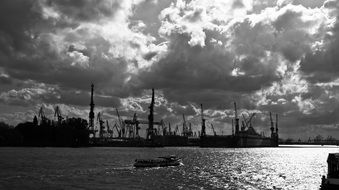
(111, 168)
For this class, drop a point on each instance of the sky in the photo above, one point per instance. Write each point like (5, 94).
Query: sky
(279, 56)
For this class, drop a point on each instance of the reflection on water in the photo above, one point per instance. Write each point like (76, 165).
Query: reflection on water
(111, 168)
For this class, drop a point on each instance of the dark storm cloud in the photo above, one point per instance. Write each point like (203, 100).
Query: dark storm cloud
(322, 65)
(40, 58)
(85, 10)
(16, 19)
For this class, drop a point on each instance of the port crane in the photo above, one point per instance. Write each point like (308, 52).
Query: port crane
(136, 122)
(214, 133)
(42, 116)
(101, 125)
(272, 125)
(57, 114)
(236, 118)
(121, 124)
(248, 122)
(186, 129)
(203, 120)
(232, 127)
(190, 132)
(116, 127)
(184, 126)
(169, 128)
(109, 130)
(176, 130)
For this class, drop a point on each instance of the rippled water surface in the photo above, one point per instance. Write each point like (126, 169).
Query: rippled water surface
(203, 168)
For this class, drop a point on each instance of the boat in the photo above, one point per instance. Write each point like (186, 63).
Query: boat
(162, 161)
(332, 180)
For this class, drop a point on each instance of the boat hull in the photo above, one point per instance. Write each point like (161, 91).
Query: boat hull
(146, 165)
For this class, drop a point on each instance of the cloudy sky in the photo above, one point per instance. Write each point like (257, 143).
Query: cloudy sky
(280, 56)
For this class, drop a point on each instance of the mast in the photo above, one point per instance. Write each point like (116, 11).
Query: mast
(276, 123)
(91, 112)
(236, 118)
(272, 125)
(232, 127)
(150, 130)
(184, 126)
(203, 127)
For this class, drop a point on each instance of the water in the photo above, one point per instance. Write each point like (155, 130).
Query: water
(203, 168)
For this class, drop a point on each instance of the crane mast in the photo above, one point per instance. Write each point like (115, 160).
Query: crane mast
(184, 126)
(42, 115)
(203, 127)
(57, 114)
(276, 123)
(214, 133)
(150, 130)
(91, 112)
(101, 124)
(236, 118)
(272, 124)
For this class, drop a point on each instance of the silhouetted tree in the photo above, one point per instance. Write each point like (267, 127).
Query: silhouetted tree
(9, 136)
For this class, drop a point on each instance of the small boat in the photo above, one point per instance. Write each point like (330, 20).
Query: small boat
(162, 161)
(332, 180)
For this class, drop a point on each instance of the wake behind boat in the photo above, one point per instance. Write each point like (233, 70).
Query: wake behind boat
(162, 161)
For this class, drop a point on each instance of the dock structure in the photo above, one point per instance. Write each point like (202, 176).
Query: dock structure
(244, 137)
(157, 134)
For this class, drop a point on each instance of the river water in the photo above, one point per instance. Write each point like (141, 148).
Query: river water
(288, 167)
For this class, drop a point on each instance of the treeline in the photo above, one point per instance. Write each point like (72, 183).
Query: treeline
(71, 132)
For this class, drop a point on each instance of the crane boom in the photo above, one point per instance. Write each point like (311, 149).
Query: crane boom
(245, 120)
(235, 111)
(213, 130)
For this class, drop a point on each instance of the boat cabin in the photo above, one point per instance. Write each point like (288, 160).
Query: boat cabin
(333, 165)
(332, 180)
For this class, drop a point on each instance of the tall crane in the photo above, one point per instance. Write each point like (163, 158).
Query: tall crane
(243, 123)
(150, 130)
(176, 130)
(276, 123)
(101, 125)
(169, 128)
(42, 116)
(184, 126)
(214, 133)
(57, 114)
(109, 129)
(272, 124)
(248, 122)
(232, 127)
(137, 128)
(116, 127)
(236, 118)
(203, 127)
(121, 124)
(190, 132)
(91, 112)
(136, 122)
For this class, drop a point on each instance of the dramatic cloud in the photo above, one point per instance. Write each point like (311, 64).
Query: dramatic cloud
(279, 56)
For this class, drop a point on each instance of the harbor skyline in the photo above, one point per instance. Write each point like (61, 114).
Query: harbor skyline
(268, 56)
